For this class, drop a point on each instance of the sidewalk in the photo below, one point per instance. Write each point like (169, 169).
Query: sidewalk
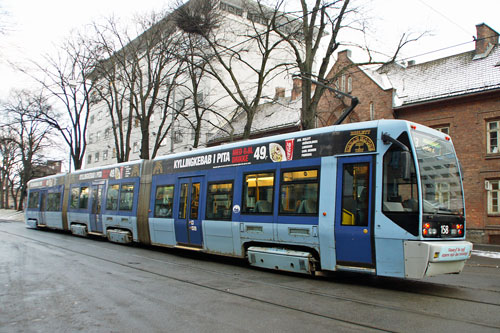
(11, 215)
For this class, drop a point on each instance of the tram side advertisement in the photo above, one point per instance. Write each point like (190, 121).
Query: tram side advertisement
(326, 144)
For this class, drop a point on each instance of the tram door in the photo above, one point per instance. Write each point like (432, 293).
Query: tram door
(353, 211)
(43, 208)
(188, 214)
(95, 213)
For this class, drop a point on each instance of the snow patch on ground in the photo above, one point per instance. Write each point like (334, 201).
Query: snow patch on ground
(489, 254)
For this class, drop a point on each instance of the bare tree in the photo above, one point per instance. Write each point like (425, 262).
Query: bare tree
(137, 78)
(323, 22)
(224, 60)
(66, 77)
(8, 150)
(22, 118)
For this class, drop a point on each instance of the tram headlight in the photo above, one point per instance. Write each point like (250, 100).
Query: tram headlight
(429, 230)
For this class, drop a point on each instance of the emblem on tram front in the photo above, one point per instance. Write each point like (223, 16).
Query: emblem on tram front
(360, 142)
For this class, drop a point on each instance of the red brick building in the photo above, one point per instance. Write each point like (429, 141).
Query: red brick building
(459, 95)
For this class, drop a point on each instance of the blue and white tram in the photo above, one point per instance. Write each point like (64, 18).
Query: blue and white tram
(382, 197)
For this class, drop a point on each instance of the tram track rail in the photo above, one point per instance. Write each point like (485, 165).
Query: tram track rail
(135, 264)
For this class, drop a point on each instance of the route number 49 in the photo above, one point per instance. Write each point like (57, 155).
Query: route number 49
(260, 153)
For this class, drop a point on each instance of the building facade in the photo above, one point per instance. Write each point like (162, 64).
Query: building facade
(238, 21)
(459, 95)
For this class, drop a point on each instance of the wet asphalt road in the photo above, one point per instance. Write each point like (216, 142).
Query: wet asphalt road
(55, 282)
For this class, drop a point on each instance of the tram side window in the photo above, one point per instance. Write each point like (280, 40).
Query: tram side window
(75, 196)
(54, 202)
(112, 197)
(164, 201)
(400, 200)
(183, 201)
(34, 200)
(299, 192)
(258, 191)
(126, 196)
(399, 194)
(219, 201)
(84, 197)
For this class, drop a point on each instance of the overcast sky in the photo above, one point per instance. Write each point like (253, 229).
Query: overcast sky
(35, 26)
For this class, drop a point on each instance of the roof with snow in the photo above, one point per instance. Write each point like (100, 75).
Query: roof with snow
(451, 76)
(278, 114)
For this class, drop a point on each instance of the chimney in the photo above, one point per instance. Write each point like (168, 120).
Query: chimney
(345, 54)
(297, 88)
(280, 93)
(485, 40)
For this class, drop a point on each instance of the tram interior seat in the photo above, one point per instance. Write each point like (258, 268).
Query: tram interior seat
(307, 206)
(263, 206)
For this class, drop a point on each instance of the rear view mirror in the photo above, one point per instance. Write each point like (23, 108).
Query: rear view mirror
(405, 165)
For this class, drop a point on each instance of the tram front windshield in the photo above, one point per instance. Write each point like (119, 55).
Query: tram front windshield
(439, 171)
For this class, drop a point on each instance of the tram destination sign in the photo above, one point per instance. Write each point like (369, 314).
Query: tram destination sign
(325, 144)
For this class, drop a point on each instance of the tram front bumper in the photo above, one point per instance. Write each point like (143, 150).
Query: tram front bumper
(435, 258)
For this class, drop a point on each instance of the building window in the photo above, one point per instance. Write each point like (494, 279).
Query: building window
(231, 9)
(137, 122)
(107, 131)
(89, 159)
(114, 152)
(178, 137)
(99, 115)
(342, 84)
(493, 133)
(372, 111)
(257, 18)
(105, 155)
(91, 138)
(136, 147)
(98, 136)
(92, 119)
(96, 157)
(443, 129)
(349, 84)
(493, 189)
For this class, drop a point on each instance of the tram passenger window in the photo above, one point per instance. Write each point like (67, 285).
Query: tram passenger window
(258, 191)
(84, 197)
(219, 201)
(164, 201)
(54, 202)
(355, 194)
(112, 197)
(299, 192)
(126, 196)
(34, 200)
(195, 201)
(75, 197)
(183, 201)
